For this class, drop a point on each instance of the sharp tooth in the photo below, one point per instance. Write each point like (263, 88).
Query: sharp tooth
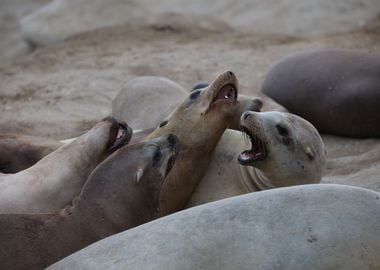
(226, 97)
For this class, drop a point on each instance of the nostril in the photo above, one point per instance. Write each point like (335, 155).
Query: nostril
(172, 139)
(246, 115)
(230, 73)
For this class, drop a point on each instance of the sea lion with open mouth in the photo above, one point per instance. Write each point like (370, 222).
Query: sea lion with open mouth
(284, 150)
(198, 122)
(146, 100)
(55, 180)
(121, 193)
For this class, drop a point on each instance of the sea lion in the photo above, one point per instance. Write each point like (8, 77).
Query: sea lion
(336, 90)
(55, 180)
(122, 192)
(285, 150)
(19, 152)
(198, 122)
(294, 228)
(146, 100)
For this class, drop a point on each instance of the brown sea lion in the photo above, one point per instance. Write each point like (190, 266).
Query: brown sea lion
(19, 152)
(146, 100)
(122, 192)
(338, 91)
(198, 122)
(55, 180)
(284, 150)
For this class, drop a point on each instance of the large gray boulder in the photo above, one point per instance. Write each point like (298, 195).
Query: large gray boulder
(302, 227)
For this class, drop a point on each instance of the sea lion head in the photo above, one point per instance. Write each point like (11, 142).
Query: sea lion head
(284, 147)
(157, 156)
(205, 112)
(247, 103)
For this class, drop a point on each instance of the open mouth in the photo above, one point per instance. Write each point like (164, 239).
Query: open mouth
(226, 93)
(257, 152)
(123, 136)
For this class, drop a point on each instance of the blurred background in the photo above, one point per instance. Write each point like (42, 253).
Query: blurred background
(26, 24)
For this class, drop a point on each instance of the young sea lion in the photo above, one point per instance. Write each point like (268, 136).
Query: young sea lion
(19, 152)
(55, 180)
(285, 150)
(145, 101)
(198, 122)
(122, 192)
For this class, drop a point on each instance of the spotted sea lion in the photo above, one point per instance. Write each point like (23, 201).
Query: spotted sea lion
(122, 192)
(285, 150)
(145, 101)
(198, 122)
(336, 90)
(56, 179)
(294, 228)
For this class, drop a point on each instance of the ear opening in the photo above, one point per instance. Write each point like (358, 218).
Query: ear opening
(139, 175)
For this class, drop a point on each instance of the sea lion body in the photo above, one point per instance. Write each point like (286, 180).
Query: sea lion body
(19, 152)
(294, 228)
(338, 91)
(198, 122)
(295, 159)
(122, 192)
(145, 101)
(55, 180)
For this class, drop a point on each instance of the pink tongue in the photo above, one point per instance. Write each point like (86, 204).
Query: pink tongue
(246, 155)
(120, 133)
(250, 154)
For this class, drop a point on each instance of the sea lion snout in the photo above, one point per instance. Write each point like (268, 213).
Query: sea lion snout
(120, 133)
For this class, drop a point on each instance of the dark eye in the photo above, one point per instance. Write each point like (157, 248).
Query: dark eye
(282, 130)
(194, 94)
(163, 123)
